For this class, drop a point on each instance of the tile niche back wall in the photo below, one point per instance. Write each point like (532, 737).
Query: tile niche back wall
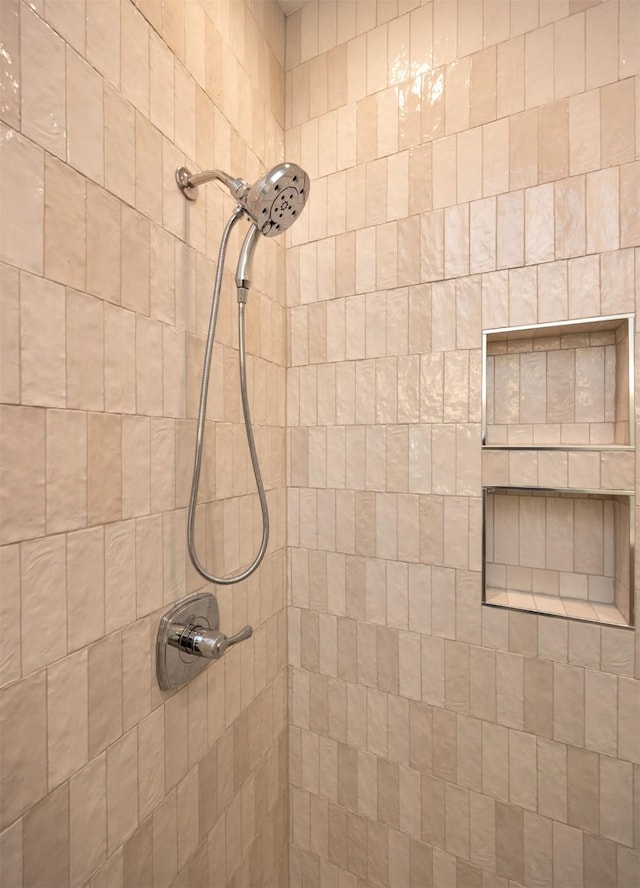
(106, 288)
(474, 165)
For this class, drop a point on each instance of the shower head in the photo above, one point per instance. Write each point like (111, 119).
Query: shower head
(276, 200)
(273, 203)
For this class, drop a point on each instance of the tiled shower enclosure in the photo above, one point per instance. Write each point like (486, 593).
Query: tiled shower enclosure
(437, 692)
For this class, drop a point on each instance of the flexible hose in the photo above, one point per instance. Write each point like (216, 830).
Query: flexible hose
(202, 414)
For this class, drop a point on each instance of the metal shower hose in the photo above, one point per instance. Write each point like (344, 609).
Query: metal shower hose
(202, 413)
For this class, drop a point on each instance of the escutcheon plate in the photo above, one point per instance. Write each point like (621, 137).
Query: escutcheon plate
(174, 667)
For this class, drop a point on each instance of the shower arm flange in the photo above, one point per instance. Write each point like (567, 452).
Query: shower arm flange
(188, 183)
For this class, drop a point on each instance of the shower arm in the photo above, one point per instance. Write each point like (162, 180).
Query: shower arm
(188, 182)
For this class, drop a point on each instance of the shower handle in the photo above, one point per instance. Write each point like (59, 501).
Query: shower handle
(201, 642)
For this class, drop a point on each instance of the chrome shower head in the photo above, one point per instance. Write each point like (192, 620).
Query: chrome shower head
(276, 200)
(273, 203)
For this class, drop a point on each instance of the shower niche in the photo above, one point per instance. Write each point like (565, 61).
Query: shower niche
(566, 553)
(559, 501)
(559, 385)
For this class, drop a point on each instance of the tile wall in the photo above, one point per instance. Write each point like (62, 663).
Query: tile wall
(105, 297)
(474, 166)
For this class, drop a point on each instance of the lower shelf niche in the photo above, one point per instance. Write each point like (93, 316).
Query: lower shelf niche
(560, 552)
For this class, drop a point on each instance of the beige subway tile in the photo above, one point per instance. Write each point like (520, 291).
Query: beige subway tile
(10, 657)
(66, 477)
(122, 780)
(510, 76)
(103, 39)
(627, 861)
(22, 502)
(538, 697)
(456, 241)
(552, 291)
(602, 45)
(103, 244)
(523, 789)
(569, 56)
(87, 821)
(10, 342)
(599, 862)
(187, 840)
(523, 150)
(119, 133)
(553, 141)
(538, 69)
(629, 215)
(149, 577)
(105, 693)
(68, 20)
(616, 803)
(119, 360)
(509, 842)
(537, 849)
(584, 470)
(64, 224)
(570, 208)
(628, 708)
(11, 856)
(136, 458)
(137, 274)
(444, 171)
(67, 717)
(85, 351)
(539, 224)
(24, 766)
(148, 172)
(600, 712)
(511, 230)
(85, 586)
(602, 211)
(568, 704)
(617, 115)
(46, 840)
(43, 586)
(483, 235)
(11, 38)
(22, 228)
(552, 779)
(469, 753)
(510, 689)
(165, 840)
(105, 467)
(137, 675)
(567, 854)
(495, 157)
(85, 117)
(42, 54)
(134, 58)
(628, 39)
(138, 855)
(42, 342)
(619, 266)
(584, 132)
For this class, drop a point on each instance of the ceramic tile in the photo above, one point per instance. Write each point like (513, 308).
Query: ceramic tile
(43, 112)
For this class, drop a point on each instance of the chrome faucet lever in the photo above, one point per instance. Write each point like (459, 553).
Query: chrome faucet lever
(202, 642)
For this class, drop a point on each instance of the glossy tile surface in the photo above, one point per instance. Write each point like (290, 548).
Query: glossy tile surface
(472, 187)
(105, 297)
